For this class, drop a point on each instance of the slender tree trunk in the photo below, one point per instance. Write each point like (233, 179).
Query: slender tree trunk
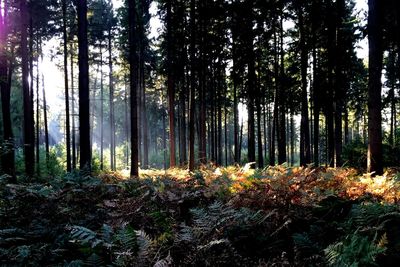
(251, 92)
(292, 137)
(28, 127)
(266, 129)
(145, 131)
(305, 157)
(67, 115)
(31, 84)
(126, 124)
(37, 117)
(219, 120)
(6, 70)
(375, 39)
(226, 132)
(101, 108)
(192, 103)
(315, 94)
(46, 125)
(84, 102)
(73, 108)
(202, 93)
(133, 77)
(235, 98)
(164, 140)
(330, 96)
(111, 101)
(346, 126)
(340, 81)
(240, 141)
(281, 104)
(182, 153)
(171, 87)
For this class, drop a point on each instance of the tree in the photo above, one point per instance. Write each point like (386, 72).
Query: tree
(192, 83)
(67, 113)
(375, 39)
(6, 70)
(171, 87)
(305, 156)
(29, 145)
(84, 103)
(133, 78)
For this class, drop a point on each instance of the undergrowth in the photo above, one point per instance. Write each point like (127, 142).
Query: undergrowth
(214, 217)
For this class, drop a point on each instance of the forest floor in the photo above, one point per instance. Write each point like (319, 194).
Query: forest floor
(230, 216)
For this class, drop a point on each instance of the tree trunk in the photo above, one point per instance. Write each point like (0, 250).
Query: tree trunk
(31, 85)
(292, 138)
(330, 96)
(126, 124)
(28, 127)
(100, 66)
(315, 94)
(84, 102)
(67, 115)
(73, 108)
(281, 103)
(305, 157)
(192, 103)
(6, 70)
(375, 39)
(46, 125)
(171, 88)
(111, 101)
(340, 81)
(251, 92)
(202, 93)
(133, 77)
(37, 116)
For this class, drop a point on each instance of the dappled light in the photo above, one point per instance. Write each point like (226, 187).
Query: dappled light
(199, 133)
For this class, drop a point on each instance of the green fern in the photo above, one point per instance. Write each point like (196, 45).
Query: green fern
(85, 236)
(125, 239)
(354, 250)
(94, 260)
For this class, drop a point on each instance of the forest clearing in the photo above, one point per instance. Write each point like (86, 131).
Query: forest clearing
(199, 133)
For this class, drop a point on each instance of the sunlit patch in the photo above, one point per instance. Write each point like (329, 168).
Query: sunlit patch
(297, 185)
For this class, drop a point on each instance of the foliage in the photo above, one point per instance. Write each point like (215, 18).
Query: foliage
(214, 217)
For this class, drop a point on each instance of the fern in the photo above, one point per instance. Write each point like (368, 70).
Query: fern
(144, 247)
(85, 236)
(166, 262)
(355, 250)
(304, 243)
(126, 239)
(94, 260)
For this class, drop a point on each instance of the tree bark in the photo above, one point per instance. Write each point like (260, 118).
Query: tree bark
(111, 101)
(282, 102)
(304, 126)
(28, 127)
(171, 88)
(46, 125)
(251, 90)
(73, 108)
(67, 115)
(375, 39)
(101, 107)
(192, 103)
(84, 102)
(6, 70)
(133, 77)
